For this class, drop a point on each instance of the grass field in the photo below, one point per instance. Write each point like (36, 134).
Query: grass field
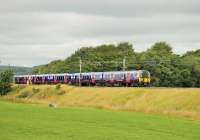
(37, 122)
(179, 102)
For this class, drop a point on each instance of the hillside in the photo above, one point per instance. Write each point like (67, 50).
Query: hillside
(167, 68)
(180, 102)
(17, 70)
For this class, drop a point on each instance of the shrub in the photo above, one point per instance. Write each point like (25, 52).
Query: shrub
(58, 87)
(5, 82)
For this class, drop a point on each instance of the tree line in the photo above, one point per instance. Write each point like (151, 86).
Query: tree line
(167, 68)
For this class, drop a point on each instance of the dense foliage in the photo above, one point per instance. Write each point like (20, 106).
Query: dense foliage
(5, 81)
(167, 68)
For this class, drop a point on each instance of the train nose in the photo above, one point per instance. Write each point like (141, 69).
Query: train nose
(145, 80)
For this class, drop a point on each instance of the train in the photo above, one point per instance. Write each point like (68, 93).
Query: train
(112, 78)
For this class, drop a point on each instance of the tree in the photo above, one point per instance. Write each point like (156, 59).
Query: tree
(191, 62)
(5, 82)
(158, 60)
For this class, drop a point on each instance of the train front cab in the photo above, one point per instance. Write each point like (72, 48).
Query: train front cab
(144, 78)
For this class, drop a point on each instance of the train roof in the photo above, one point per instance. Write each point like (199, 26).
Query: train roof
(76, 74)
(40, 75)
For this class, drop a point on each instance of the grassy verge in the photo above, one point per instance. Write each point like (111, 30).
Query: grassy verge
(180, 102)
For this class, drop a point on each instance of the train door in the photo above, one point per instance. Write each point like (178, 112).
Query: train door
(65, 79)
(128, 79)
(55, 79)
(112, 79)
(43, 79)
(93, 79)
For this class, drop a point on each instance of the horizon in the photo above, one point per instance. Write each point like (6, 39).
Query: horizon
(37, 32)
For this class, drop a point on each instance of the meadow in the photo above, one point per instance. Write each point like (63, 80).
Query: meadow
(40, 122)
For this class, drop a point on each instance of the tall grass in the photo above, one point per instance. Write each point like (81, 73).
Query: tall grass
(180, 102)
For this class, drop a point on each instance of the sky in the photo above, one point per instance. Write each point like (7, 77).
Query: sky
(35, 32)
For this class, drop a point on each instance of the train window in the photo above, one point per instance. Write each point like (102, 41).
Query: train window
(85, 77)
(145, 74)
(60, 78)
(107, 76)
(50, 78)
(97, 76)
(69, 77)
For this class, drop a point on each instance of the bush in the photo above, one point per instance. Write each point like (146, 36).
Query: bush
(58, 87)
(5, 82)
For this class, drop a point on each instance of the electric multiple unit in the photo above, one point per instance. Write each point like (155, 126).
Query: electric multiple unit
(113, 78)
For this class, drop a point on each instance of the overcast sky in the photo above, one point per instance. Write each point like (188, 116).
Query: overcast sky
(34, 32)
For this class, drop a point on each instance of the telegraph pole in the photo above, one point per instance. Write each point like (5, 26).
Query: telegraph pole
(124, 64)
(80, 70)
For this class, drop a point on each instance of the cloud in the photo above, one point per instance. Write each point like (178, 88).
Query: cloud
(106, 8)
(32, 55)
(36, 32)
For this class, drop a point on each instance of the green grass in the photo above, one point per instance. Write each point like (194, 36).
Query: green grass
(36, 122)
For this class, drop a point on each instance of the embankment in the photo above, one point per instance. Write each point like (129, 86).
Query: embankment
(179, 102)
